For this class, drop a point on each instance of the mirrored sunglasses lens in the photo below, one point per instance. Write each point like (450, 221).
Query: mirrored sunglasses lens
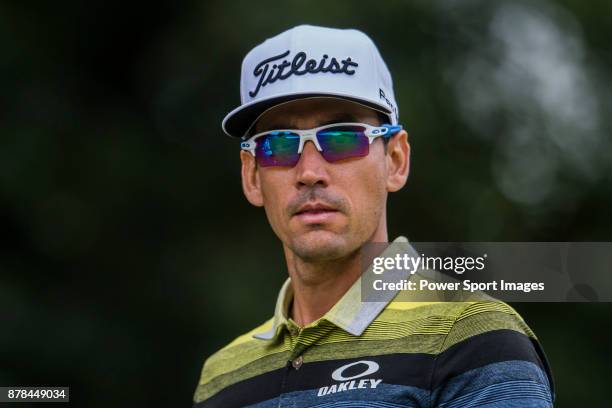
(277, 149)
(343, 142)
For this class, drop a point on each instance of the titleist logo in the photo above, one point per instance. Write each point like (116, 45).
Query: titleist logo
(300, 65)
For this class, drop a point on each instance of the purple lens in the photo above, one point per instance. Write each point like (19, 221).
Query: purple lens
(278, 148)
(343, 142)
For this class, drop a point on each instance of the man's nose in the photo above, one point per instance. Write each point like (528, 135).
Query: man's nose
(311, 169)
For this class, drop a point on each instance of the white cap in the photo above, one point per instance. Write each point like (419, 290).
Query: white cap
(309, 61)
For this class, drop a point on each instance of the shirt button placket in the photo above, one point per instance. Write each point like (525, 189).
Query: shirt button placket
(292, 364)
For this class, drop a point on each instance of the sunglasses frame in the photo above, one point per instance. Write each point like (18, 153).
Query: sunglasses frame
(371, 132)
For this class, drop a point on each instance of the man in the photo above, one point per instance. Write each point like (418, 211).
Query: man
(321, 150)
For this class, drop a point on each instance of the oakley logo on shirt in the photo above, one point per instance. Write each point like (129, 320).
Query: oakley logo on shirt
(349, 377)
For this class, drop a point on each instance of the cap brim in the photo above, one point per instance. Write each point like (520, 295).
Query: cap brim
(238, 122)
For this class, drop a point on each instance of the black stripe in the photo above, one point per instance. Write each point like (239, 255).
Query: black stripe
(412, 369)
(486, 348)
(251, 391)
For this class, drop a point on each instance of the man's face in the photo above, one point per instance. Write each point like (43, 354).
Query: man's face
(321, 211)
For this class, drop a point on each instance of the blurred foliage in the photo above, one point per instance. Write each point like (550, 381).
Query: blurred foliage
(120, 200)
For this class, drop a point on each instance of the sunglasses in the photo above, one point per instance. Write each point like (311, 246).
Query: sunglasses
(337, 141)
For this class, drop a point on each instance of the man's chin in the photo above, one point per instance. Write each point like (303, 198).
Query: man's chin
(320, 245)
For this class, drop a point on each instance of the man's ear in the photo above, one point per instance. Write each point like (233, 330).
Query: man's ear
(251, 184)
(398, 161)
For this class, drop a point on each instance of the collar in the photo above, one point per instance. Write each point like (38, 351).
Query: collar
(350, 313)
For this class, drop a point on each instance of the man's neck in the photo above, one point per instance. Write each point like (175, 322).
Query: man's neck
(318, 286)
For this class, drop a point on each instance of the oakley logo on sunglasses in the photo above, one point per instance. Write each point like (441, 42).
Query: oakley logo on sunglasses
(311, 66)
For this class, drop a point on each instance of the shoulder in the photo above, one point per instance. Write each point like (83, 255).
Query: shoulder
(481, 317)
(465, 318)
(458, 321)
(222, 368)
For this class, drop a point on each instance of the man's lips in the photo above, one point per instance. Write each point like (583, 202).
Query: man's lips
(315, 213)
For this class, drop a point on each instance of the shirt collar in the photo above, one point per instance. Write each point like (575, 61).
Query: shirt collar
(350, 313)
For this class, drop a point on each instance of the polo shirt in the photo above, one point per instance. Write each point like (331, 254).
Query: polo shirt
(382, 354)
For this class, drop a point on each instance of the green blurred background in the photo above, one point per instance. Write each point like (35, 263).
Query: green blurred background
(128, 251)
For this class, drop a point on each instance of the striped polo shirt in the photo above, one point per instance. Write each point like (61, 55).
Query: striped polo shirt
(382, 354)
